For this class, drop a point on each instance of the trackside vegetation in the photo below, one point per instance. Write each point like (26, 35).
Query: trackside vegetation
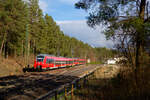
(108, 83)
(126, 22)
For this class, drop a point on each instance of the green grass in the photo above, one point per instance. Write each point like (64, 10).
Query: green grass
(95, 63)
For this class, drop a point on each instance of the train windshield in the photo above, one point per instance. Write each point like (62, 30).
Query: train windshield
(40, 58)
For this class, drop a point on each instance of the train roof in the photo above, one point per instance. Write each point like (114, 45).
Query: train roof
(59, 58)
(45, 55)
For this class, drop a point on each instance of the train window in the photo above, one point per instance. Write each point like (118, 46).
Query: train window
(57, 62)
(64, 62)
(48, 61)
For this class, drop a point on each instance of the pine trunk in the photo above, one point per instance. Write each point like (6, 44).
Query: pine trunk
(22, 52)
(138, 41)
(139, 45)
(2, 45)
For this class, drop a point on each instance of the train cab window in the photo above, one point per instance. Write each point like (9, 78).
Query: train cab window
(40, 58)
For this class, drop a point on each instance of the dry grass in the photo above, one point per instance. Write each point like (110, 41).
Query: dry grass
(106, 84)
(11, 66)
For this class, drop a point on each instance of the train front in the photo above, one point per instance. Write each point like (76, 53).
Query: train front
(38, 62)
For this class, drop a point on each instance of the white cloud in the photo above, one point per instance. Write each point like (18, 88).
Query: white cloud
(43, 5)
(82, 31)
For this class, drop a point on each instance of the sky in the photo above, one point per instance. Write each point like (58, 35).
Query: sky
(73, 22)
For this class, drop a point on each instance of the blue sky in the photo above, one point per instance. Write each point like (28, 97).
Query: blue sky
(62, 10)
(73, 22)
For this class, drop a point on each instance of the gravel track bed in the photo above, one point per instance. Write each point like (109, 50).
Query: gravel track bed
(34, 84)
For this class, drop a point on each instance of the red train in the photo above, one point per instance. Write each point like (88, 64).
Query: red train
(45, 61)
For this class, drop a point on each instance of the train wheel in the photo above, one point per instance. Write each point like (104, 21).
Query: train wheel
(47, 68)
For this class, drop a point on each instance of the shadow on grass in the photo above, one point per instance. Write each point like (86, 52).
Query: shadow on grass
(121, 87)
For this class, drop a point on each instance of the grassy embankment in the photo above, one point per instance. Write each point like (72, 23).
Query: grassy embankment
(114, 83)
(12, 66)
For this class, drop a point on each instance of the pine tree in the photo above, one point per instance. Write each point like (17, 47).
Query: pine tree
(23, 23)
(13, 19)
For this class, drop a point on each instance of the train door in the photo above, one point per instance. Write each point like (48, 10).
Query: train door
(50, 63)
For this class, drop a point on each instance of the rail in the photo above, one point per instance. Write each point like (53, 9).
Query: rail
(67, 88)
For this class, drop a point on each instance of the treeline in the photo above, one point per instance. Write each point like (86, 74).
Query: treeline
(103, 54)
(24, 28)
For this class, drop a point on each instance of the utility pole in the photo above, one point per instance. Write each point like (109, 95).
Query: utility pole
(72, 52)
(27, 38)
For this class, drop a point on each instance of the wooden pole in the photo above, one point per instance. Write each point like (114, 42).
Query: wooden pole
(65, 93)
(34, 51)
(72, 90)
(29, 43)
(56, 95)
(22, 48)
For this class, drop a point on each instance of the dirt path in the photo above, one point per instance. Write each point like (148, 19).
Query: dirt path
(98, 85)
(34, 84)
(107, 72)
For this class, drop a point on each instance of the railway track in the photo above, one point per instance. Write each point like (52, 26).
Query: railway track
(34, 84)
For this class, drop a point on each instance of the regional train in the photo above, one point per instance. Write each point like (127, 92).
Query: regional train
(45, 62)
